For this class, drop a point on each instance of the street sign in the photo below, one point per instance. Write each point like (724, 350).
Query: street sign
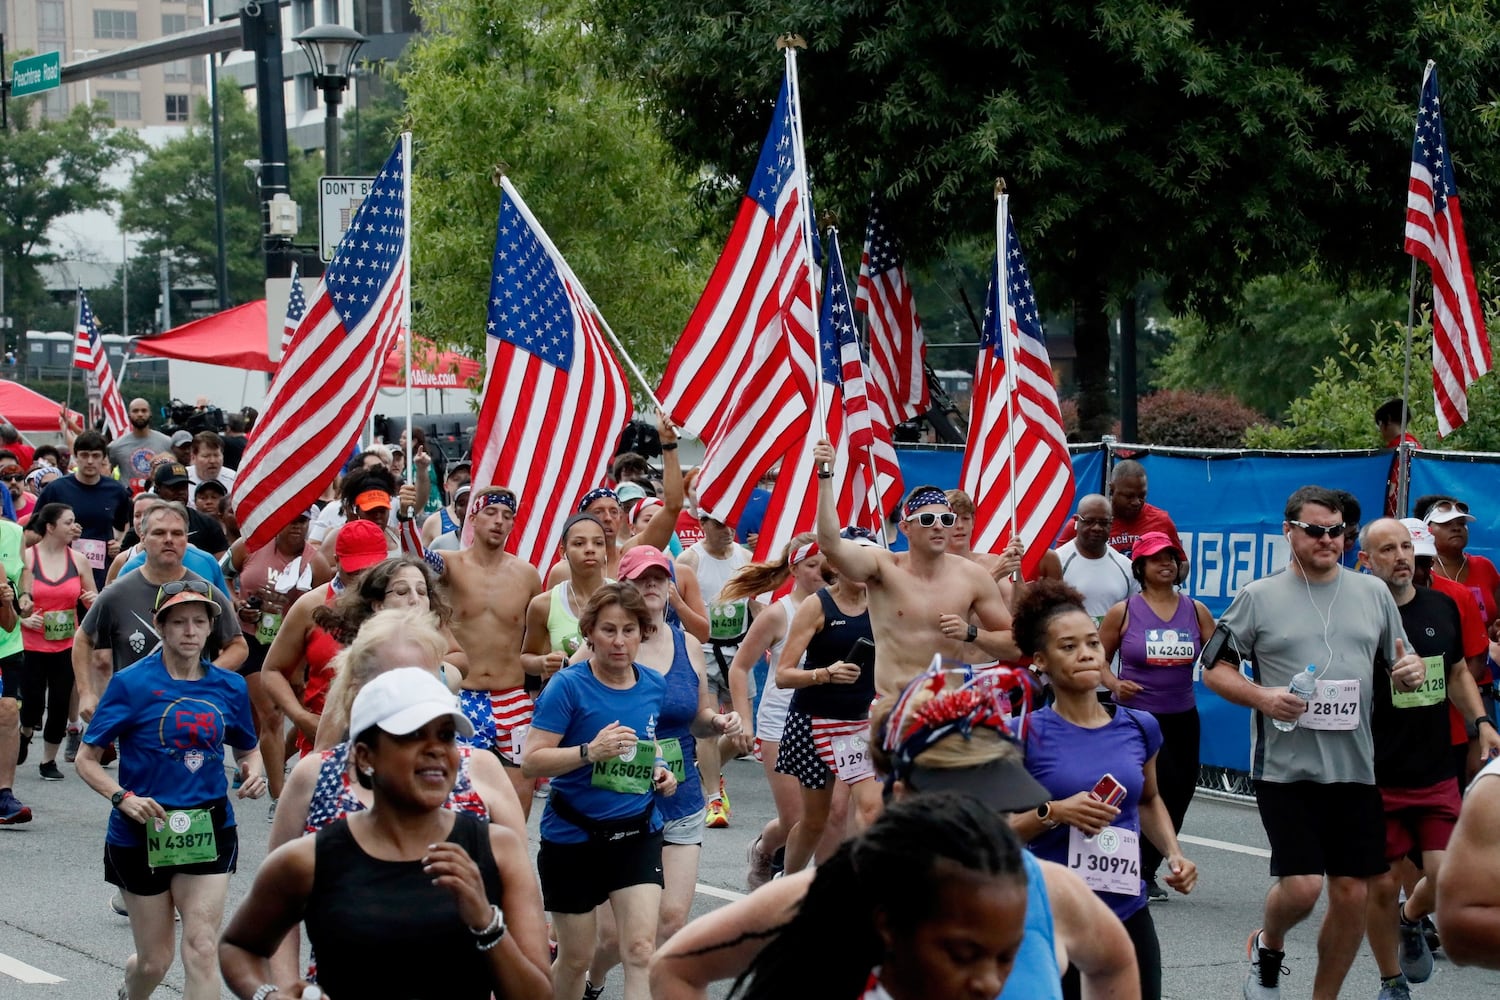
(35, 74)
(338, 199)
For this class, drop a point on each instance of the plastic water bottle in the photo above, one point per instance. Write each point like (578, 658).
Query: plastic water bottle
(1304, 686)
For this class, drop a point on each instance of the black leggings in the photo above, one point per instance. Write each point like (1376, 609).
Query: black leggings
(1142, 931)
(1176, 775)
(47, 682)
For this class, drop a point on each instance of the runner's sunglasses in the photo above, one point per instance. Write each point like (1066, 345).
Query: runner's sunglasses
(1319, 530)
(928, 518)
(1444, 506)
(171, 590)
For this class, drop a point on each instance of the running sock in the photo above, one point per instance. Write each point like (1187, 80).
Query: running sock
(1396, 980)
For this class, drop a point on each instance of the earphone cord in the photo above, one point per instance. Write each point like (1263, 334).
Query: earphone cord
(1327, 619)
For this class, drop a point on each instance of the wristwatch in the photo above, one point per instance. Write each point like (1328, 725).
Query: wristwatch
(1485, 719)
(119, 797)
(973, 633)
(1044, 813)
(265, 991)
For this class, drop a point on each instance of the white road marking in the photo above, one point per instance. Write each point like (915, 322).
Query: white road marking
(717, 893)
(16, 969)
(1224, 845)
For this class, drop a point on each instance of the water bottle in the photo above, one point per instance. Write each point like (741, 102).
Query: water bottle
(1304, 686)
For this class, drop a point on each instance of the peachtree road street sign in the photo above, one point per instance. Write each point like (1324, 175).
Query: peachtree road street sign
(35, 74)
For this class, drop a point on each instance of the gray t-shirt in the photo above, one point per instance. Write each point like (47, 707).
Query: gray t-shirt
(132, 455)
(1103, 582)
(122, 619)
(1278, 623)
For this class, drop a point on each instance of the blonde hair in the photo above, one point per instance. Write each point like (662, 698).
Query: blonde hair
(960, 502)
(754, 579)
(359, 662)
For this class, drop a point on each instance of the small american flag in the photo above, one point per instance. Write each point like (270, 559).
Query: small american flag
(326, 384)
(898, 351)
(740, 375)
(91, 355)
(296, 308)
(555, 397)
(1016, 465)
(1435, 235)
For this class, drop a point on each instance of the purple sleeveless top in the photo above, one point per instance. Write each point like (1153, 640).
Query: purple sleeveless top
(1159, 655)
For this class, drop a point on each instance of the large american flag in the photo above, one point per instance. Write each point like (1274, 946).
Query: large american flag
(740, 375)
(1016, 464)
(555, 397)
(325, 386)
(296, 308)
(89, 354)
(1435, 234)
(898, 351)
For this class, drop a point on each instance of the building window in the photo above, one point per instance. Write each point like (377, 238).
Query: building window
(307, 93)
(50, 19)
(173, 24)
(302, 15)
(330, 11)
(114, 24)
(177, 71)
(177, 107)
(123, 74)
(55, 104)
(380, 17)
(122, 105)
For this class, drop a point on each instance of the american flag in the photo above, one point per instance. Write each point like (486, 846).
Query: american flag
(740, 375)
(555, 397)
(296, 308)
(866, 424)
(794, 501)
(89, 354)
(898, 351)
(325, 386)
(1435, 235)
(1016, 464)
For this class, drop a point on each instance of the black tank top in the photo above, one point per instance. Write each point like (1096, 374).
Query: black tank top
(829, 645)
(382, 929)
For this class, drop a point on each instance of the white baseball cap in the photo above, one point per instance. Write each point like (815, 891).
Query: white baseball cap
(404, 700)
(1422, 542)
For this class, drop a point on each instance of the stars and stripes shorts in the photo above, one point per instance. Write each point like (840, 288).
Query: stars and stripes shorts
(501, 720)
(807, 750)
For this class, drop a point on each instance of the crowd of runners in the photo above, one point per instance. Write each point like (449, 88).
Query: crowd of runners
(978, 779)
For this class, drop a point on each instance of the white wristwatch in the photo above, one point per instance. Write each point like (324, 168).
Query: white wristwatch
(265, 991)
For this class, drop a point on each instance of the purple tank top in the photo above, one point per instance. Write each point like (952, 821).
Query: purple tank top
(1159, 655)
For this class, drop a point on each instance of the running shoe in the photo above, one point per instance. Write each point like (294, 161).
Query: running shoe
(543, 788)
(1154, 892)
(271, 812)
(1429, 931)
(1264, 981)
(1393, 989)
(75, 740)
(50, 771)
(718, 816)
(724, 798)
(592, 992)
(1415, 957)
(117, 904)
(23, 747)
(12, 813)
(761, 867)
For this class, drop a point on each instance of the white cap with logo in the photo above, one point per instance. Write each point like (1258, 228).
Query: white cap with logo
(404, 700)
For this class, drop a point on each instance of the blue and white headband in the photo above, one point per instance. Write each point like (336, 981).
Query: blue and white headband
(602, 493)
(925, 496)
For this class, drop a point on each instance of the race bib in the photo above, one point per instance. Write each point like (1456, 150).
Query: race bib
(1110, 862)
(1166, 647)
(630, 774)
(59, 624)
(518, 742)
(851, 759)
(571, 643)
(1335, 707)
(265, 632)
(1433, 689)
(185, 837)
(93, 551)
(671, 752)
(728, 621)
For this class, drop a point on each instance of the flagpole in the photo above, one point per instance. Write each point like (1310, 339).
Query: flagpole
(1403, 453)
(872, 488)
(411, 437)
(789, 44)
(73, 360)
(1002, 326)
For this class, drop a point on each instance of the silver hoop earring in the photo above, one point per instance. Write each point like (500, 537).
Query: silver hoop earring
(368, 772)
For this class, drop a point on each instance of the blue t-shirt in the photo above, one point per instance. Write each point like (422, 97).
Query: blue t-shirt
(196, 561)
(1034, 975)
(172, 736)
(1069, 759)
(575, 705)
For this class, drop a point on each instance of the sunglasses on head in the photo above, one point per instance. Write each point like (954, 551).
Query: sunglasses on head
(171, 590)
(1444, 506)
(1319, 530)
(928, 518)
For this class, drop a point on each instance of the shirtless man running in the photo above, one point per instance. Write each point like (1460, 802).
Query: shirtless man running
(490, 589)
(920, 600)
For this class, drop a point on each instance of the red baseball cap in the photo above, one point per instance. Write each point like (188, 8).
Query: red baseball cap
(640, 558)
(361, 544)
(1153, 542)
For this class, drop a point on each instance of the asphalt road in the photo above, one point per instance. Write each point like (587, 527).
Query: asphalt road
(60, 941)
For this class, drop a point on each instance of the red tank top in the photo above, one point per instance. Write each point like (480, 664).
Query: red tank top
(57, 602)
(321, 649)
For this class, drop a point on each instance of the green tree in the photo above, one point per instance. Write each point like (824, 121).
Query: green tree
(513, 83)
(170, 199)
(49, 169)
(1285, 326)
(368, 132)
(1204, 143)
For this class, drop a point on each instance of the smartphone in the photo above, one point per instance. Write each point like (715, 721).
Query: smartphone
(861, 654)
(1108, 790)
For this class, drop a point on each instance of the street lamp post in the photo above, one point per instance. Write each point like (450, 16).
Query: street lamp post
(330, 50)
(88, 92)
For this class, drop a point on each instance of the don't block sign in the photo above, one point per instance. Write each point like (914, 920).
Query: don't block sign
(338, 200)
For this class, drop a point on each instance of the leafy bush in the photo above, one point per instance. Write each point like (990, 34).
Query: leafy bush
(1194, 419)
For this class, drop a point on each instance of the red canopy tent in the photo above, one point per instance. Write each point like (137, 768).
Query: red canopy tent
(236, 338)
(29, 411)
